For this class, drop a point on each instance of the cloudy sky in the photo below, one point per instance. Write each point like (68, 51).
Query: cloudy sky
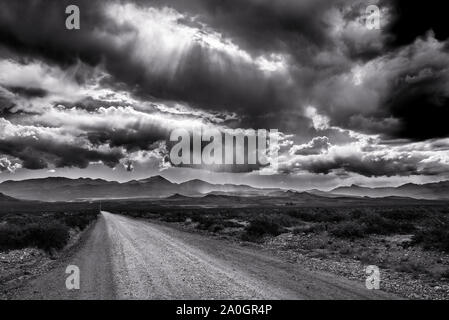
(352, 105)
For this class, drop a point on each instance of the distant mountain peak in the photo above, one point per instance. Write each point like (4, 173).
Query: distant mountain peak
(178, 196)
(196, 181)
(53, 179)
(430, 191)
(5, 198)
(154, 179)
(66, 189)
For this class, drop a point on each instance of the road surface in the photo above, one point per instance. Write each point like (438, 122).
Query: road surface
(125, 258)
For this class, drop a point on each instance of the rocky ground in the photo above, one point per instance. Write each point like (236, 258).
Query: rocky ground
(408, 271)
(19, 266)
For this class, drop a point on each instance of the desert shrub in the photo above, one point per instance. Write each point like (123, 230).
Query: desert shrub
(173, 217)
(356, 214)
(46, 236)
(206, 222)
(319, 215)
(302, 214)
(215, 228)
(45, 229)
(231, 224)
(405, 227)
(77, 221)
(261, 227)
(413, 267)
(375, 224)
(408, 214)
(283, 220)
(135, 214)
(311, 228)
(348, 230)
(10, 237)
(436, 237)
(445, 274)
(20, 219)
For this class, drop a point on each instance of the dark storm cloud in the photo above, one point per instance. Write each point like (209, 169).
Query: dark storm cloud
(302, 30)
(413, 19)
(28, 92)
(116, 127)
(402, 94)
(365, 167)
(424, 113)
(420, 99)
(7, 166)
(39, 147)
(316, 146)
(204, 78)
(132, 139)
(298, 29)
(5, 106)
(370, 157)
(198, 80)
(401, 91)
(365, 164)
(262, 25)
(48, 37)
(40, 154)
(419, 96)
(231, 87)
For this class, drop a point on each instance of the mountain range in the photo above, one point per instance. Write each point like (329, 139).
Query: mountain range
(157, 187)
(64, 189)
(4, 198)
(430, 191)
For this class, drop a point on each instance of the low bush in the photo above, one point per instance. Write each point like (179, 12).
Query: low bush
(378, 224)
(348, 230)
(436, 237)
(77, 221)
(45, 230)
(262, 227)
(207, 222)
(46, 236)
(318, 215)
(173, 218)
(311, 228)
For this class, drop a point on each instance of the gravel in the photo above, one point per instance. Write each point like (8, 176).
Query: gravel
(309, 250)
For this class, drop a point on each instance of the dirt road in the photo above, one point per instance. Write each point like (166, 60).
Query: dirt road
(124, 258)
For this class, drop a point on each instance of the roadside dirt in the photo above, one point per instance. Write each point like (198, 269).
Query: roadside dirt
(124, 258)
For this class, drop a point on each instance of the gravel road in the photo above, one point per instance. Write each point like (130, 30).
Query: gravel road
(124, 258)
